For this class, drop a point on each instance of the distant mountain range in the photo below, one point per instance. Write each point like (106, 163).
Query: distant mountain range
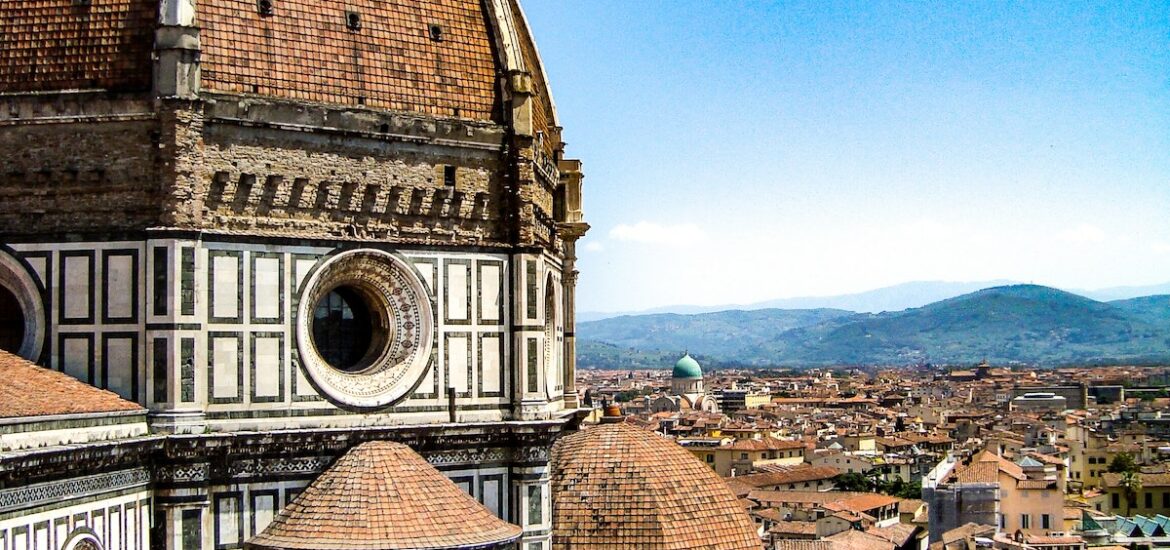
(891, 298)
(1013, 324)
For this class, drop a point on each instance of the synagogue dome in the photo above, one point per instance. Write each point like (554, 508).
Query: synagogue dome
(687, 368)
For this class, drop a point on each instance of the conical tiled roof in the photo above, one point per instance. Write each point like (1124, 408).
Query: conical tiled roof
(618, 486)
(383, 496)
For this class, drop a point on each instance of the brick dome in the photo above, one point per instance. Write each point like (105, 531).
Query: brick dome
(383, 496)
(618, 486)
(438, 57)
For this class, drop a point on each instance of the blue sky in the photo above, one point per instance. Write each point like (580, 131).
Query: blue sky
(742, 151)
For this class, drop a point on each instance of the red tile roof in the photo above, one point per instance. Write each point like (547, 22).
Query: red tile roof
(382, 496)
(617, 486)
(29, 390)
(765, 443)
(791, 474)
(65, 44)
(305, 51)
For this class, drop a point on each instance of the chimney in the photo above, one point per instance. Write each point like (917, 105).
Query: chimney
(613, 415)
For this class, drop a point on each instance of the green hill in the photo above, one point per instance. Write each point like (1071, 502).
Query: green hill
(1152, 309)
(731, 335)
(1024, 324)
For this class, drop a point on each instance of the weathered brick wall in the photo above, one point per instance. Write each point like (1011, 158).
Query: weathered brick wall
(265, 168)
(79, 177)
(305, 185)
(305, 170)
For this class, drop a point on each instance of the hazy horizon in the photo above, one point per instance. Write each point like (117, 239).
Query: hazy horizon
(1101, 294)
(742, 152)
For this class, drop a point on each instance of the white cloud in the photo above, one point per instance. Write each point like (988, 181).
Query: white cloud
(594, 246)
(1083, 233)
(653, 233)
(1160, 247)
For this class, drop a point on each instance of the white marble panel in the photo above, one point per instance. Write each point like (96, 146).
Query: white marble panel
(490, 368)
(457, 363)
(60, 532)
(428, 381)
(225, 364)
(302, 268)
(267, 297)
(226, 301)
(114, 539)
(131, 527)
(265, 506)
(457, 303)
(489, 288)
(41, 536)
(143, 527)
(427, 271)
(304, 388)
(20, 541)
(120, 291)
(119, 369)
(75, 356)
(100, 526)
(267, 364)
(229, 521)
(491, 496)
(39, 266)
(77, 277)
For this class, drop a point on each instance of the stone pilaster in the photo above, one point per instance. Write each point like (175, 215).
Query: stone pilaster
(570, 228)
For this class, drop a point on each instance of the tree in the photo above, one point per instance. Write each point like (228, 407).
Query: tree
(1131, 485)
(1122, 462)
(851, 481)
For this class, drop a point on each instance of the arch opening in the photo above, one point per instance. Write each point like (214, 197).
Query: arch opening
(12, 322)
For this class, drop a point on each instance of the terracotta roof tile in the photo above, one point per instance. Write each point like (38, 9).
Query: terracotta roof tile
(765, 443)
(858, 540)
(29, 390)
(790, 474)
(788, 544)
(382, 496)
(305, 51)
(65, 44)
(1148, 480)
(616, 485)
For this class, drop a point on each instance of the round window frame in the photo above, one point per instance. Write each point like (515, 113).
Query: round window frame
(15, 277)
(401, 351)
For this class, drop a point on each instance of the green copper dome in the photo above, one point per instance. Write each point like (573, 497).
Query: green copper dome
(687, 367)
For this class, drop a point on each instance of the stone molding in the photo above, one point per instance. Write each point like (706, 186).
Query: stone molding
(80, 487)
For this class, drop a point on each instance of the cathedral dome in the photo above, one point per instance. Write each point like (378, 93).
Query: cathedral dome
(443, 58)
(619, 486)
(687, 368)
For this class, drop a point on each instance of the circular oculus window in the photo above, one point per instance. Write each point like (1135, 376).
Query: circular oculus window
(22, 329)
(365, 329)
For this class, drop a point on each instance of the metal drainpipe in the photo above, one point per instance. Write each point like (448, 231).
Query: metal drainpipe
(451, 403)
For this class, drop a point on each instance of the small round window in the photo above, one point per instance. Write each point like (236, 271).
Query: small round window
(343, 329)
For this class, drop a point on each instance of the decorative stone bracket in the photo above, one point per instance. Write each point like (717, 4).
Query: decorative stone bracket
(176, 65)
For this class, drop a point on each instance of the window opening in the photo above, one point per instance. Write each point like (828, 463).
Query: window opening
(342, 328)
